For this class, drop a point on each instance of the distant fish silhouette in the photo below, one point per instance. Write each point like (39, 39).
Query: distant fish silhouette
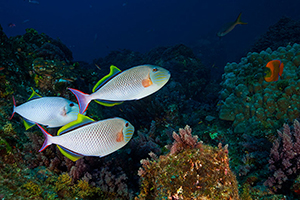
(230, 26)
(11, 25)
(275, 69)
(25, 21)
(95, 38)
(34, 2)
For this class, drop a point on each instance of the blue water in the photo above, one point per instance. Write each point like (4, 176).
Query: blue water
(91, 28)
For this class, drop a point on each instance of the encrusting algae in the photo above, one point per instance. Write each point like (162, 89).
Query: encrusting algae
(197, 171)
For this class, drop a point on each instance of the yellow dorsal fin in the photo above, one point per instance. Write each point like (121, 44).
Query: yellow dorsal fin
(113, 72)
(80, 121)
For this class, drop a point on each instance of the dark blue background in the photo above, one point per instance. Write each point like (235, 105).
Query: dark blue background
(92, 28)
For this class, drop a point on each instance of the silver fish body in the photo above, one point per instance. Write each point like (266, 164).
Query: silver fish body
(134, 83)
(96, 138)
(49, 111)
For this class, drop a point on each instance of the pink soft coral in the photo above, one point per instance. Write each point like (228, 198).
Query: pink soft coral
(185, 140)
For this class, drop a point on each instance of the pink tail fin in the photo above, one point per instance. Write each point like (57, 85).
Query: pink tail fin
(82, 99)
(48, 137)
(13, 108)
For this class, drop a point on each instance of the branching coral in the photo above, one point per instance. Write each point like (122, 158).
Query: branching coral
(285, 159)
(184, 140)
(113, 185)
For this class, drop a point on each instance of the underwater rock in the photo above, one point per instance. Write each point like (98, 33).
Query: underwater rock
(209, 118)
(3, 37)
(282, 33)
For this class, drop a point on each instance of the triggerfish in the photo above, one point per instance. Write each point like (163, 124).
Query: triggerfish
(86, 137)
(275, 69)
(131, 84)
(230, 26)
(48, 111)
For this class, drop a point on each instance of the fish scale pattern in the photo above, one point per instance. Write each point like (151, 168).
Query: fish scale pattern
(129, 82)
(41, 106)
(96, 139)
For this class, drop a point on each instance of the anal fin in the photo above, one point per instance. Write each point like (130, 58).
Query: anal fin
(69, 154)
(28, 124)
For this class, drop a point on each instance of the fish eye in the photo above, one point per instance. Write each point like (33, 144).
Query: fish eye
(155, 69)
(71, 104)
(126, 125)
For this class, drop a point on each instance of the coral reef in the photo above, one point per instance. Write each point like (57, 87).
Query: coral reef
(250, 109)
(248, 99)
(285, 159)
(193, 170)
(34, 59)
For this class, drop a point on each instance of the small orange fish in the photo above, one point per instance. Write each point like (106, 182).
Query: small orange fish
(275, 70)
(2, 68)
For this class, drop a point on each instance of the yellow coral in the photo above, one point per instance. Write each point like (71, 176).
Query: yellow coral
(82, 189)
(8, 129)
(32, 189)
(63, 182)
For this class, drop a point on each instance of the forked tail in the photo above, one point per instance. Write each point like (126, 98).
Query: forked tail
(82, 99)
(12, 115)
(48, 138)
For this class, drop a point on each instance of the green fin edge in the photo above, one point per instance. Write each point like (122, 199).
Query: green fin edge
(33, 94)
(70, 156)
(108, 104)
(113, 71)
(81, 119)
(27, 125)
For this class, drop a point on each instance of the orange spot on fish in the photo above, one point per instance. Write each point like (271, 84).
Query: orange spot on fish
(1, 68)
(63, 112)
(276, 69)
(120, 136)
(147, 82)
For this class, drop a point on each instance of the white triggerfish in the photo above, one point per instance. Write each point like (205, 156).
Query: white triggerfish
(48, 111)
(86, 137)
(131, 84)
